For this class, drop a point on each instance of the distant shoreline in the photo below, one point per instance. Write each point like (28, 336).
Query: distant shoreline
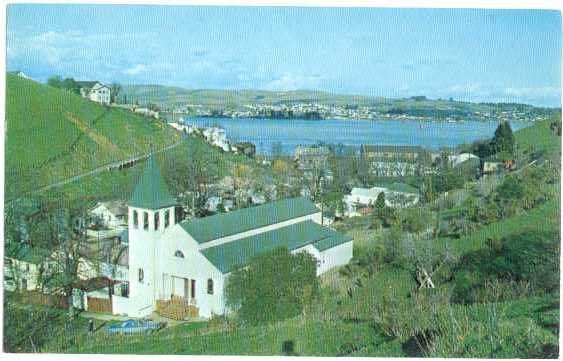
(379, 119)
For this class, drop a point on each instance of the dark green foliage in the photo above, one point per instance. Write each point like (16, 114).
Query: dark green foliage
(276, 285)
(68, 84)
(503, 140)
(511, 188)
(531, 257)
(380, 203)
(28, 328)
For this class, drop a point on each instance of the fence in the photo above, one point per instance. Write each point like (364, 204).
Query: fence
(38, 298)
(99, 304)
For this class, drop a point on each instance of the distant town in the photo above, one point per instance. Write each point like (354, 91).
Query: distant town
(307, 110)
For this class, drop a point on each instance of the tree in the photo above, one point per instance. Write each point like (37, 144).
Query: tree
(55, 81)
(283, 173)
(115, 89)
(241, 180)
(69, 84)
(274, 286)
(380, 204)
(190, 178)
(422, 260)
(503, 140)
(70, 242)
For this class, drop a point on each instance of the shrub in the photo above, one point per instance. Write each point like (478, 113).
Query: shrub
(274, 286)
(530, 258)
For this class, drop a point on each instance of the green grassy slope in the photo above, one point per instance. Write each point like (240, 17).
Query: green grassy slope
(538, 137)
(52, 135)
(112, 185)
(543, 218)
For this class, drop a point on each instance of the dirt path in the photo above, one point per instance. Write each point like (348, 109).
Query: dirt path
(98, 138)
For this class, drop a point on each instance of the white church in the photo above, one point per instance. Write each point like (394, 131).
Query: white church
(187, 263)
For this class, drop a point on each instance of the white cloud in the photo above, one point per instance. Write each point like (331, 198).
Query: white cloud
(289, 81)
(135, 70)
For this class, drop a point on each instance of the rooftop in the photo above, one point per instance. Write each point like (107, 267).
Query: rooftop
(242, 220)
(229, 256)
(151, 191)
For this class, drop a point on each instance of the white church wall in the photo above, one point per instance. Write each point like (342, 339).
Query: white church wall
(194, 266)
(335, 256)
(120, 305)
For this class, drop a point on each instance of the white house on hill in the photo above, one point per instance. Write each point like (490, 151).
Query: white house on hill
(187, 263)
(95, 91)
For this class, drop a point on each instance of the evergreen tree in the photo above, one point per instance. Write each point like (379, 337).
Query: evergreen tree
(503, 141)
(380, 204)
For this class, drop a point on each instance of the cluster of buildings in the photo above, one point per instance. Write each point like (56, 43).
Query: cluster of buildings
(216, 137)
(141, 258)
(312, 110)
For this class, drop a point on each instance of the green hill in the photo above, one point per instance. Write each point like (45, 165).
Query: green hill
(539, 137)
(52, 135)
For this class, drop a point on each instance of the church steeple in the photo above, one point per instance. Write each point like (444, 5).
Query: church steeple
(151, 191)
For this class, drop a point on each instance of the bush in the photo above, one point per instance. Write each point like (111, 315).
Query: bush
(276, 285)
(530, 259)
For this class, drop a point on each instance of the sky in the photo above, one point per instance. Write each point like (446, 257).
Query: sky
(466, 54)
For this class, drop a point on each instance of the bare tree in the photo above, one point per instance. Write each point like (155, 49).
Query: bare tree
(61, 273)
(423, 260)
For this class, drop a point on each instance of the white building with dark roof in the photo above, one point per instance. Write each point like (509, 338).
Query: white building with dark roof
(95, 91)
(179, 269)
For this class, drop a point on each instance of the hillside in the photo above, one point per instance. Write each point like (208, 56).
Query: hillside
(539, 137)
(52, 135)
(168, 96)
(215, 100)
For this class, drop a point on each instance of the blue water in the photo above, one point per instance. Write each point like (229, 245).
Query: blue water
(292, 132)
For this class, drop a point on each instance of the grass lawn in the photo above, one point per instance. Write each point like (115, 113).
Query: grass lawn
(309, 338)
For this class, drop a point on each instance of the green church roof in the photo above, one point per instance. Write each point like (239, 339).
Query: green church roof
(229, 256)
(226, 224)
(151, 191)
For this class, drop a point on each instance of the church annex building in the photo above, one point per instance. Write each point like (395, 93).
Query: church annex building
(191, 260)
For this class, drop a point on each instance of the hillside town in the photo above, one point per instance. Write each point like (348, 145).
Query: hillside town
(282, 181)
(312, 110)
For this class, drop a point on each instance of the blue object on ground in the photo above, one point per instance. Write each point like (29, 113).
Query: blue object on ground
(134, 326)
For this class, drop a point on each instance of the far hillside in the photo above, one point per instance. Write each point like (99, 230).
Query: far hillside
(52, 135)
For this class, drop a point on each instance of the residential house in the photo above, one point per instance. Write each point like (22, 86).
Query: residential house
(217, 137)
(458, 159)
(398, 195)
(95, 91)
(22, 271)
(112, 214)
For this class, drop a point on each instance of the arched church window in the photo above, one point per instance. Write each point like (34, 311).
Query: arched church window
(179, 254)
(135, 219)
(210, 286)
(141, 275)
